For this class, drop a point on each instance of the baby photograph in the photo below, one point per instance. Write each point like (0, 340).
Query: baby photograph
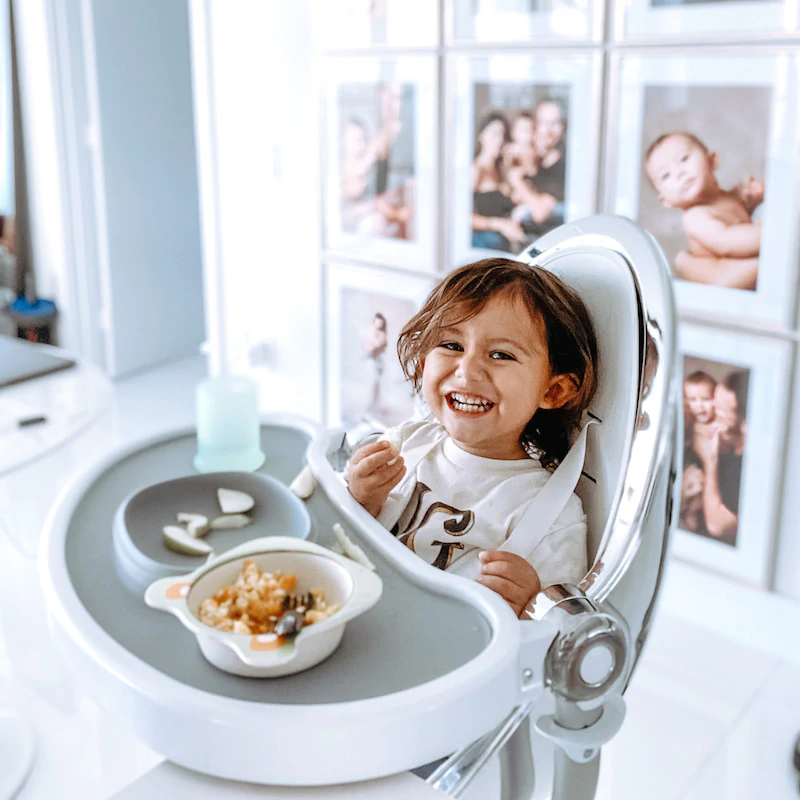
(702, 179)
(715, 432)
(371, 383)
(519, 163)
(377, 159)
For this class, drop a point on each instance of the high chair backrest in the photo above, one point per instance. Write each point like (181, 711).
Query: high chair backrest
(620, 273)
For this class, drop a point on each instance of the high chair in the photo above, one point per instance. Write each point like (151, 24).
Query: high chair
(440, 670)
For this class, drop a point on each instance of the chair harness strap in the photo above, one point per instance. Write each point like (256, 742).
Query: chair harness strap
(544, 509)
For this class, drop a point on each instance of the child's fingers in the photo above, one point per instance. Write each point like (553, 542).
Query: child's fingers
(497, 555)
(368, 450)
(400, 468)
(378, 477)
(516, 596)
(372, 462)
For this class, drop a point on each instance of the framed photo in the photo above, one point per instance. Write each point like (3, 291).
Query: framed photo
(380, 159)
(735, 396)
(524, 140)
(718, 195)
(355, 24)
(647, 20)
(535, 21)
(366, 308)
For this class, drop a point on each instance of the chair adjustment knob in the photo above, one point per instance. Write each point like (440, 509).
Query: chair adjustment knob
(590, 652)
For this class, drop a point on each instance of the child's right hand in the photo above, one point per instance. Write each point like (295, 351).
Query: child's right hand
(370, 476)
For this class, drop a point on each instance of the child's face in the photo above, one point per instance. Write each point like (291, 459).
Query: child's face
(488, 376)
(681, 172)
(699, 398)
(693, 480)
(522, 131)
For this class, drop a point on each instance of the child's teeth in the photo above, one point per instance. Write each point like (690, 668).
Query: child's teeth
(462, 403)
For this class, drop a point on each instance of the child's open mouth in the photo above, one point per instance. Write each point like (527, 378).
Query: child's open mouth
(468, 403)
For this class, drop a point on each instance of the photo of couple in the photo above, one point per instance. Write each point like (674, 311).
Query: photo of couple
(715, 431)
(377, 159)
(704, 178)
(519, 164)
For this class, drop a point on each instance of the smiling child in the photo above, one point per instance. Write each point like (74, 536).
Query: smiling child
(504, 355)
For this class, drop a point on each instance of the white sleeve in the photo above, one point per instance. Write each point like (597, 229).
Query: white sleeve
(561, 556)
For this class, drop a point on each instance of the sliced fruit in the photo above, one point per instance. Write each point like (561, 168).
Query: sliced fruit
(232, 501)
(350, 548)
(196, 524)
(303, 484)
(395, 439)
(394, 436)
(179, 540)
(230, 522)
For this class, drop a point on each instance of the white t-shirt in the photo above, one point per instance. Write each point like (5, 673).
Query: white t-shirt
(456, 504)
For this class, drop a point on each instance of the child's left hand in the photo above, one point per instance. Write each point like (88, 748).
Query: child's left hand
(511, 576)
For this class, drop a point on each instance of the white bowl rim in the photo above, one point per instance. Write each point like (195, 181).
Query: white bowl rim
(366, 590)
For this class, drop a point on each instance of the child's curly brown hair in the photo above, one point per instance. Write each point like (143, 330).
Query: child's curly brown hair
(571, 342)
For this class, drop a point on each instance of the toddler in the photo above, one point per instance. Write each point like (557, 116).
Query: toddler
(717, 223)
(504, 355)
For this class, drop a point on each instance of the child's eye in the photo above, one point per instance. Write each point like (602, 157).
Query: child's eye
(685, 157)
(498, 355)
(665, 176)
(451, 346)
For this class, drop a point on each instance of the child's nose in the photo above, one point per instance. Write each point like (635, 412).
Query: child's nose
(470, 366)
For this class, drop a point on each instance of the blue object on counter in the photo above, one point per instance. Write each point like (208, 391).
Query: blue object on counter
(228, 427)
(34, 320)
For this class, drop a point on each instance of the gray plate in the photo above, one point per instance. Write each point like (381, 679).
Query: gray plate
(140, 553)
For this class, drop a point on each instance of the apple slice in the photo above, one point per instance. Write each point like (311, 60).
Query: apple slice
(229, 522)
(232, 501)
(350, 548)
(196, 524)
(303, 484)
(395, 439)
(179, 540)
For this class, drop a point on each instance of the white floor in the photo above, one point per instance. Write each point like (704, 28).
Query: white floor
(709, 717)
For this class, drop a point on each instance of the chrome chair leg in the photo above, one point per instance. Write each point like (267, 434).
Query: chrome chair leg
(454, 776)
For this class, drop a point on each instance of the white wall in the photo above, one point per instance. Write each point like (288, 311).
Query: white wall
(256, 99)
(149, 181)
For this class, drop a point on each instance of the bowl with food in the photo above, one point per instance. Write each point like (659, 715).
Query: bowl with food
(270, 607)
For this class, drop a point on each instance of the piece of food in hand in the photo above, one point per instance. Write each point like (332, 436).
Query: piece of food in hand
(303, 484)
(229, 522)
(350, 548)
(395, 439)
(179, 540)
(232, 501)
(196, 524)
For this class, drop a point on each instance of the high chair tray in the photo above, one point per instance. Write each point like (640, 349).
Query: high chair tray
(431, 667)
